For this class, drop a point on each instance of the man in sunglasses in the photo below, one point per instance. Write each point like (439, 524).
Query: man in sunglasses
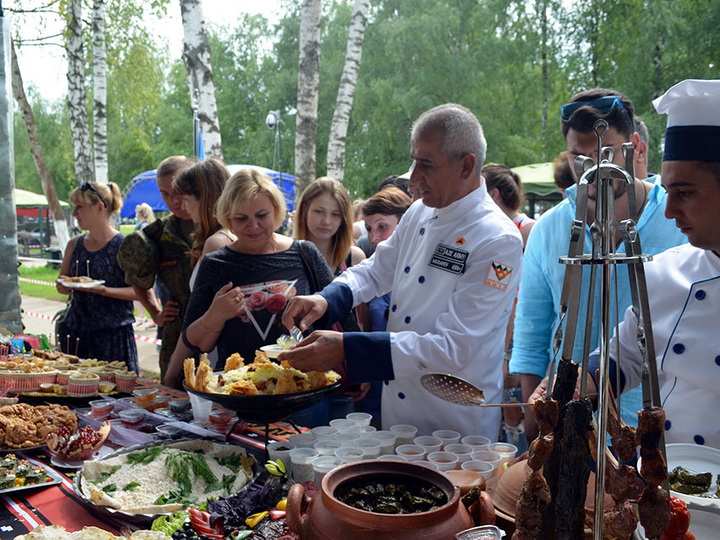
(162, 249)
(683, 283)
(538, 307)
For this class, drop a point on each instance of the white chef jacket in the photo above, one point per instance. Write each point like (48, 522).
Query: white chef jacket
(453, 273)
(684, 292)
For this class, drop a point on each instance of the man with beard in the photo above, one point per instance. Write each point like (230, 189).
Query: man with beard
(538, 307)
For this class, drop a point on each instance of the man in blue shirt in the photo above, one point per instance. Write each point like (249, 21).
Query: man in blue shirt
(538, 307)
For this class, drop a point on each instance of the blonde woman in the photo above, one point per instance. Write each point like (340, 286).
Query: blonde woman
(99, 321)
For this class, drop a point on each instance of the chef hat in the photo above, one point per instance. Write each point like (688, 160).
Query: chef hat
(693, 128)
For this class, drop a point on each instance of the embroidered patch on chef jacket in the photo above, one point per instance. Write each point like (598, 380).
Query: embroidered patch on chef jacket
(498, 275)
(449, 259)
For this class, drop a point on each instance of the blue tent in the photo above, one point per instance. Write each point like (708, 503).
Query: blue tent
(143, 189)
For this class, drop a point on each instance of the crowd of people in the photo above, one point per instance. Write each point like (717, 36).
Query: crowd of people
(438, 271)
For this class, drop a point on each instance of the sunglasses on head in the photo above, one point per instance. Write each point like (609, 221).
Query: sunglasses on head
(602, 105)
(85, 186)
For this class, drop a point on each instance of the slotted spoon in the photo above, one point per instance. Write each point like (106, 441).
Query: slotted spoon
(459, 391)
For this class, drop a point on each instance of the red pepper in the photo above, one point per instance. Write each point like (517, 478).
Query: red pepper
(277, 514)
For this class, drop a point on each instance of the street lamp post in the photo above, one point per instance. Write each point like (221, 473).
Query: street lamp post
(273, 121)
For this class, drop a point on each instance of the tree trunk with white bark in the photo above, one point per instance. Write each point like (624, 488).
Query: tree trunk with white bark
(196, 55)
(307, 97)
(76, 95)
(100, 86)
(61, 228)
(346, 91)
(10, 317)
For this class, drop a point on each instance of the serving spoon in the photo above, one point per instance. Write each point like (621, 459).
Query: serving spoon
(459, 391)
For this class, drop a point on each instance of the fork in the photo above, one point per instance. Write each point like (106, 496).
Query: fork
(296, 334)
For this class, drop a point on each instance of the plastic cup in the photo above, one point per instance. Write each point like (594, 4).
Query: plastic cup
(445, 461)
(448, 436)
(343, 425)
(370, 446)
(367, 429)
(132, 417)
(303, 440)
(323, 465)
(489, 456)
(201, 408)
(405, 433)
(302, 467)
(507, 453)
(327, 447)
(429, 465)
(346, 438)
(429, 443)
(387, 438)
(462, 451)
(280, 450)
(485, 468)
(349, 454)
(360, 418)
(478, 442)
(411, 452)
(483, 532)
(392, 457)
(324, 432)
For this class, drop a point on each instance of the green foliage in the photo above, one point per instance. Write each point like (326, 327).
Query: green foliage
(40, 273)
(495, 57)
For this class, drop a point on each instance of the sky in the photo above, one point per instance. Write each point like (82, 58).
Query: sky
(45, 66)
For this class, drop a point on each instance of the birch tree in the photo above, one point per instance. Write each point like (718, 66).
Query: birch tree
(346, 91)
(48, 185)
(100, 85)
(307, 96)
(10, 317)
(76, 95)
(196, 55)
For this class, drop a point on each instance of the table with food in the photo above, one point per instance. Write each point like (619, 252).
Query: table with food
(91, 451)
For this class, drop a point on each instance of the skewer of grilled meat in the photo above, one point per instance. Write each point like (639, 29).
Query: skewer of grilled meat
(621, 483)
(654, 503)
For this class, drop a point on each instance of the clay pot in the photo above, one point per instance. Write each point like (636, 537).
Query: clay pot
(325, 517)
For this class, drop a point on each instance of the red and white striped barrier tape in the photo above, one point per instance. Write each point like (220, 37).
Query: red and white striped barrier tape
(138, 337)
(38, 282)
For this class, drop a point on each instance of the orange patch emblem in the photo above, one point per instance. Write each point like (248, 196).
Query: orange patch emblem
(460, 241)
(497, 274)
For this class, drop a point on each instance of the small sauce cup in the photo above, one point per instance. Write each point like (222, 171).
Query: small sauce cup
(131, 418)
(145, 396)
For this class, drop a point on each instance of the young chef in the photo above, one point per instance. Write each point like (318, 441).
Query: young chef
(683, 283)
(453, 265)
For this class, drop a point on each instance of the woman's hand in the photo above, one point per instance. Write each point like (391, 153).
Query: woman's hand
(62, 289)
(228, 303)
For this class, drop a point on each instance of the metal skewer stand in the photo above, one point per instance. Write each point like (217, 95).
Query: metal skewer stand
(604, 231)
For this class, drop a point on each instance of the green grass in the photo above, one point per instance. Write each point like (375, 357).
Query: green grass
(127, 229)
(40, 273)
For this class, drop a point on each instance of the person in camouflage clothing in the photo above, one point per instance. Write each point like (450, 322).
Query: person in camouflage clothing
(162, 249)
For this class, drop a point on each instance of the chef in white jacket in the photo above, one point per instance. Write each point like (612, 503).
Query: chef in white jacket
(684, 282)
(453, 265)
